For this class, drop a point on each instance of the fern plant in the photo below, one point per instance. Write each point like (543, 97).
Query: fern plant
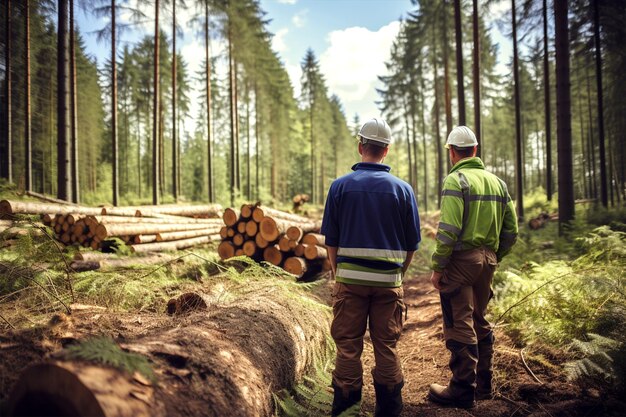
(603, 361)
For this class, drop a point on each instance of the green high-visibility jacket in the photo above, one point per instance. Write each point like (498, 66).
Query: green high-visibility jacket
(476, 210)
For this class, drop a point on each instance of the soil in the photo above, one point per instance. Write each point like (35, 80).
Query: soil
(425, 361)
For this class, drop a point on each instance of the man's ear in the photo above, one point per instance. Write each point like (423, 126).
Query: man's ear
(386, 151)
(360, 148)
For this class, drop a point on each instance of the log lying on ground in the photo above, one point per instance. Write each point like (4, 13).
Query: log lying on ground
(204, 211)
(9, 207)
(312, 252)
(156, 220)
(295, 233)
(185, 234)
(173, 245)
(105, 230)
(115, 263)
(273, 255)
(188, 302)
(301, 268)
(261, 212)
(224, 361)
(314, 239)
(226, 249)
(144, 239)
(271, 228)
(230, 217)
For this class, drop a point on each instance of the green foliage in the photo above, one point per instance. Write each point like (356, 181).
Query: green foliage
(103, 350)
(561, 302)
(603, 360)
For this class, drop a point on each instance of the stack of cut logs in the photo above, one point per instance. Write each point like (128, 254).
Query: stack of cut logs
(143, 228)
(282, 239)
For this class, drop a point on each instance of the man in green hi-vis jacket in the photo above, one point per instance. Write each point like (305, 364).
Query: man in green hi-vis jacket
(478, 227)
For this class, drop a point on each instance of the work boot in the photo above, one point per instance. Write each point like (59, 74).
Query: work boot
(460, 391)
(344, 400)
(483, 369)
(388, 400)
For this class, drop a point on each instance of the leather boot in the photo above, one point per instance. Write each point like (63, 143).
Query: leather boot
(460, 390)
(344, 400)
(483, 369)
(388, 400)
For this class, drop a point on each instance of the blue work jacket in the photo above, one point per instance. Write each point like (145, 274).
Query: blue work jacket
(372, 217)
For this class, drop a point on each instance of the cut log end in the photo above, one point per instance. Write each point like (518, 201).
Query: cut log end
(186, 303)
(273, 255)
(230, 217)
(226, 250)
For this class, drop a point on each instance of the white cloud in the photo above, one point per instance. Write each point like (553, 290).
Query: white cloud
(287, 1)
(354, 60)
(299, 19)
(278, 40)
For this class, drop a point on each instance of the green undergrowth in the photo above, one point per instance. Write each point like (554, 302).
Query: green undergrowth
(569, 293)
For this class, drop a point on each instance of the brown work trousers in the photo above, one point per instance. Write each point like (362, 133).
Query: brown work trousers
(352, 306)
(465, 293)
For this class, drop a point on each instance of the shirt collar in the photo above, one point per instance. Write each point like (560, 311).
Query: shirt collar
(371, 166)
(474, 162)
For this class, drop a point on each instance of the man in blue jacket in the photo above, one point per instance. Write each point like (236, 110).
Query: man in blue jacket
(372, 229)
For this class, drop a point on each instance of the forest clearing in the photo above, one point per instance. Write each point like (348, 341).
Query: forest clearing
(195, 193)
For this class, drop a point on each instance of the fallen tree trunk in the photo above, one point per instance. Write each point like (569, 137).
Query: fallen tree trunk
(271, 228)
(10, 207)
(205, 211)
(262, 212)
(185, 234)
(273, 255)
(230, 217)
(314, 239)
(105, 230)
(109, 263)
(226, 250)
(156, 220)
(312, 252)
(214, 362)
(120, 211)
(173, 245)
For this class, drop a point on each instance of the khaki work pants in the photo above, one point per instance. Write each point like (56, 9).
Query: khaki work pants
(465, 293)
(352, 306)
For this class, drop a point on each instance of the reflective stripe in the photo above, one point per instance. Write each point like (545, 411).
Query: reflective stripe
(489, 197)
(446, 240)
(377, 253)
(449, 228)
(368, 276)
(453, 193)
(465, 187)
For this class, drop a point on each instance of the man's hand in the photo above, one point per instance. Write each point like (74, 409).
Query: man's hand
(435, 278)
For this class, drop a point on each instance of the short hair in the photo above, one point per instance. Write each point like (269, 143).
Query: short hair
(465, 152)
(373, 150)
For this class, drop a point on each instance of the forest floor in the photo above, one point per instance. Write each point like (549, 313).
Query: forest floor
(421, 348)
(425, 361)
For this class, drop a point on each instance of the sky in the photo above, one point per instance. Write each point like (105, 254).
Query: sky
(350, 38)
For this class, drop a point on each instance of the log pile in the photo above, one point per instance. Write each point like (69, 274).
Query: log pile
(143, 228)
(283, 239)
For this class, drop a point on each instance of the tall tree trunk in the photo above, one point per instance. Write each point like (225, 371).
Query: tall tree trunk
(155, 112)
(476, 74)
(74, 104)
(174, 136)
(209, 110)
(460, 87)
(585, 150)
(563, 115)
(408, 142)
(233, 133)
(313, 193)
(248, 159)
(598, 47)
(446, 76)
(138, 134)
(64, 187)
(114, 146)
(28, 162)
(423, 123)
(438, 143)
(546, 102)
(519, 189)
(592, 146)
(237, 138)
(7, 165)
(161, 146)
(257, 137)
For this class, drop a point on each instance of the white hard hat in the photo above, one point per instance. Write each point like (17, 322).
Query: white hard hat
(377, 131)
(462, 137)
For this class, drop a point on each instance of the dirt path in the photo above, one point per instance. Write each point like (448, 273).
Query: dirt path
(425, 360)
